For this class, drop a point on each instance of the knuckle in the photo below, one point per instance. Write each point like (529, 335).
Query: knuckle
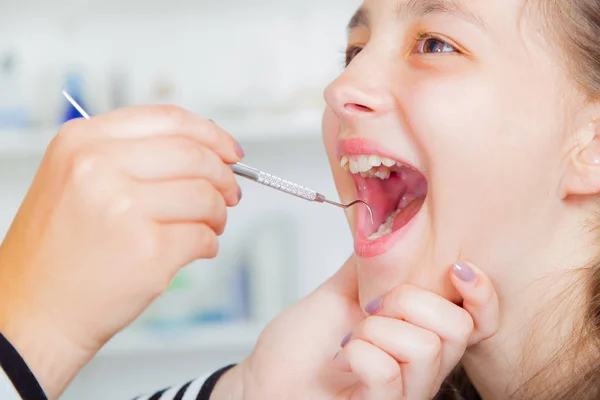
(84, 163)
(369, 327)
(174, 114)
(214, 198)
(192, 150)
(390, 374)
(147, 248)
(465, 327)
(222, 222)
(208, 243)
(401, 299)
(430, 346)
(88, 173)
(69, 129)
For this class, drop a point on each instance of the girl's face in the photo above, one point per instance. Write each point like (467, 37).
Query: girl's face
(452, 121)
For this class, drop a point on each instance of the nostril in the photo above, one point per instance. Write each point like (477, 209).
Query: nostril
(357, 108)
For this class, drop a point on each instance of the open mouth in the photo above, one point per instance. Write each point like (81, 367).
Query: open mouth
(394, 191)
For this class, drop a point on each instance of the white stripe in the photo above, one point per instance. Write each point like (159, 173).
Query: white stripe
(7, 390)
(169, 394)
(192, 392)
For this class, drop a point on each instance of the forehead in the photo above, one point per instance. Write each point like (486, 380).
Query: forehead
(480, 13)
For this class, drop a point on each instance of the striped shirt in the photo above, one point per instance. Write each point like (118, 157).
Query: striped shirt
(17, 382)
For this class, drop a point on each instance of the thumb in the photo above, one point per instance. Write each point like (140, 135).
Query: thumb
(479, 299)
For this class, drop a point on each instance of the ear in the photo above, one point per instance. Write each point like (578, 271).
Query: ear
(582, 174)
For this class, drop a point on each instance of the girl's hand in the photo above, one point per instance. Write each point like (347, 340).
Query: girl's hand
(413, 339)
(119, 204)
(403, 350)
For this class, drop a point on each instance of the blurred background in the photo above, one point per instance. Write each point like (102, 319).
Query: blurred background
(258, 68)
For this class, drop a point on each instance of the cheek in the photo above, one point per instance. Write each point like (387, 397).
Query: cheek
(490, 162)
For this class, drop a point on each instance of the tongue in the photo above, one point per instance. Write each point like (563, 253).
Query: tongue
(382, 196)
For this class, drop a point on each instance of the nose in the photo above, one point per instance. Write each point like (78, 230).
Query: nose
(364, 90)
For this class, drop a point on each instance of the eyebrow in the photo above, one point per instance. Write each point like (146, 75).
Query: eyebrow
(421, 8)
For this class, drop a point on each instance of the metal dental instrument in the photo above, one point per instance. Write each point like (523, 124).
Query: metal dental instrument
(289, 187)
(263, 178)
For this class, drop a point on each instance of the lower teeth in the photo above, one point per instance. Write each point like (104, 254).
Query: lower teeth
(386, 227)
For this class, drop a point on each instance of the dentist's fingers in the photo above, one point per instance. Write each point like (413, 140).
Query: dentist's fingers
(152, 121)
(432, 313)
(194, 200)
(379, 373)
(479, 299)
(168, 158)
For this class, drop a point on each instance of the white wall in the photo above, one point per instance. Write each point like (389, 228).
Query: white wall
(226, 60)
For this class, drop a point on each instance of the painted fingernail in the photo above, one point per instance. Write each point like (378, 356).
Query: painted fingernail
(464, 272)
(239, 193)
(239, 150)
(374, 306)
(346, 340)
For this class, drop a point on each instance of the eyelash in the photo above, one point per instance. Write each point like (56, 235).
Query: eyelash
(420, 40)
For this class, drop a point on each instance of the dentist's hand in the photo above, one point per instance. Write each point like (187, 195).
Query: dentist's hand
(403, 348)
(120, 203)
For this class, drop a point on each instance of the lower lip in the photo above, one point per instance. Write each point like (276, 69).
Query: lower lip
(365, 248)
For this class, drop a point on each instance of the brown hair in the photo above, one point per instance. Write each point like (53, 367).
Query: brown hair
(575, 26)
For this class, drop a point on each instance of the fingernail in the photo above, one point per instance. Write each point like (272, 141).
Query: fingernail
(239, 193)
(464, 272)
(239, 150)
(374, 306)
(346, 340)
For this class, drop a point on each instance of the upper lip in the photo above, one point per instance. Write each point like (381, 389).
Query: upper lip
(357, 146)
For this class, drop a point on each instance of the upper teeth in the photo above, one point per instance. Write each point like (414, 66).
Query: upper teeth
(369, 165)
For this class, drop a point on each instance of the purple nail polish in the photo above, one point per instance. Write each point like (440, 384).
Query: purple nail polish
(464, 272)
(239, 193)
(374, 306)
(239, 150)
(346, 340)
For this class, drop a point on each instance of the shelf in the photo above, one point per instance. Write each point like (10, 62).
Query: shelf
(142, 342)
(281, 128)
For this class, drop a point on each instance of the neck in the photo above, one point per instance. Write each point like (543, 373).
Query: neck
(539, 314)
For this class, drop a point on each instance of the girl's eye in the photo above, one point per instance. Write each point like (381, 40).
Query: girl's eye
(433, 45)
(352, 52)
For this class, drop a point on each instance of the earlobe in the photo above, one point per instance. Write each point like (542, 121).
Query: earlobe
(582, 175)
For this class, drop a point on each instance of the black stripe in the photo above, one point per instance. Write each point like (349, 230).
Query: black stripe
(157, 395)
(19, 373)
(179, 395)
(211, 382)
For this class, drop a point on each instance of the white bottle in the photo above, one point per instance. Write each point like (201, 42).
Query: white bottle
(272, 261)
